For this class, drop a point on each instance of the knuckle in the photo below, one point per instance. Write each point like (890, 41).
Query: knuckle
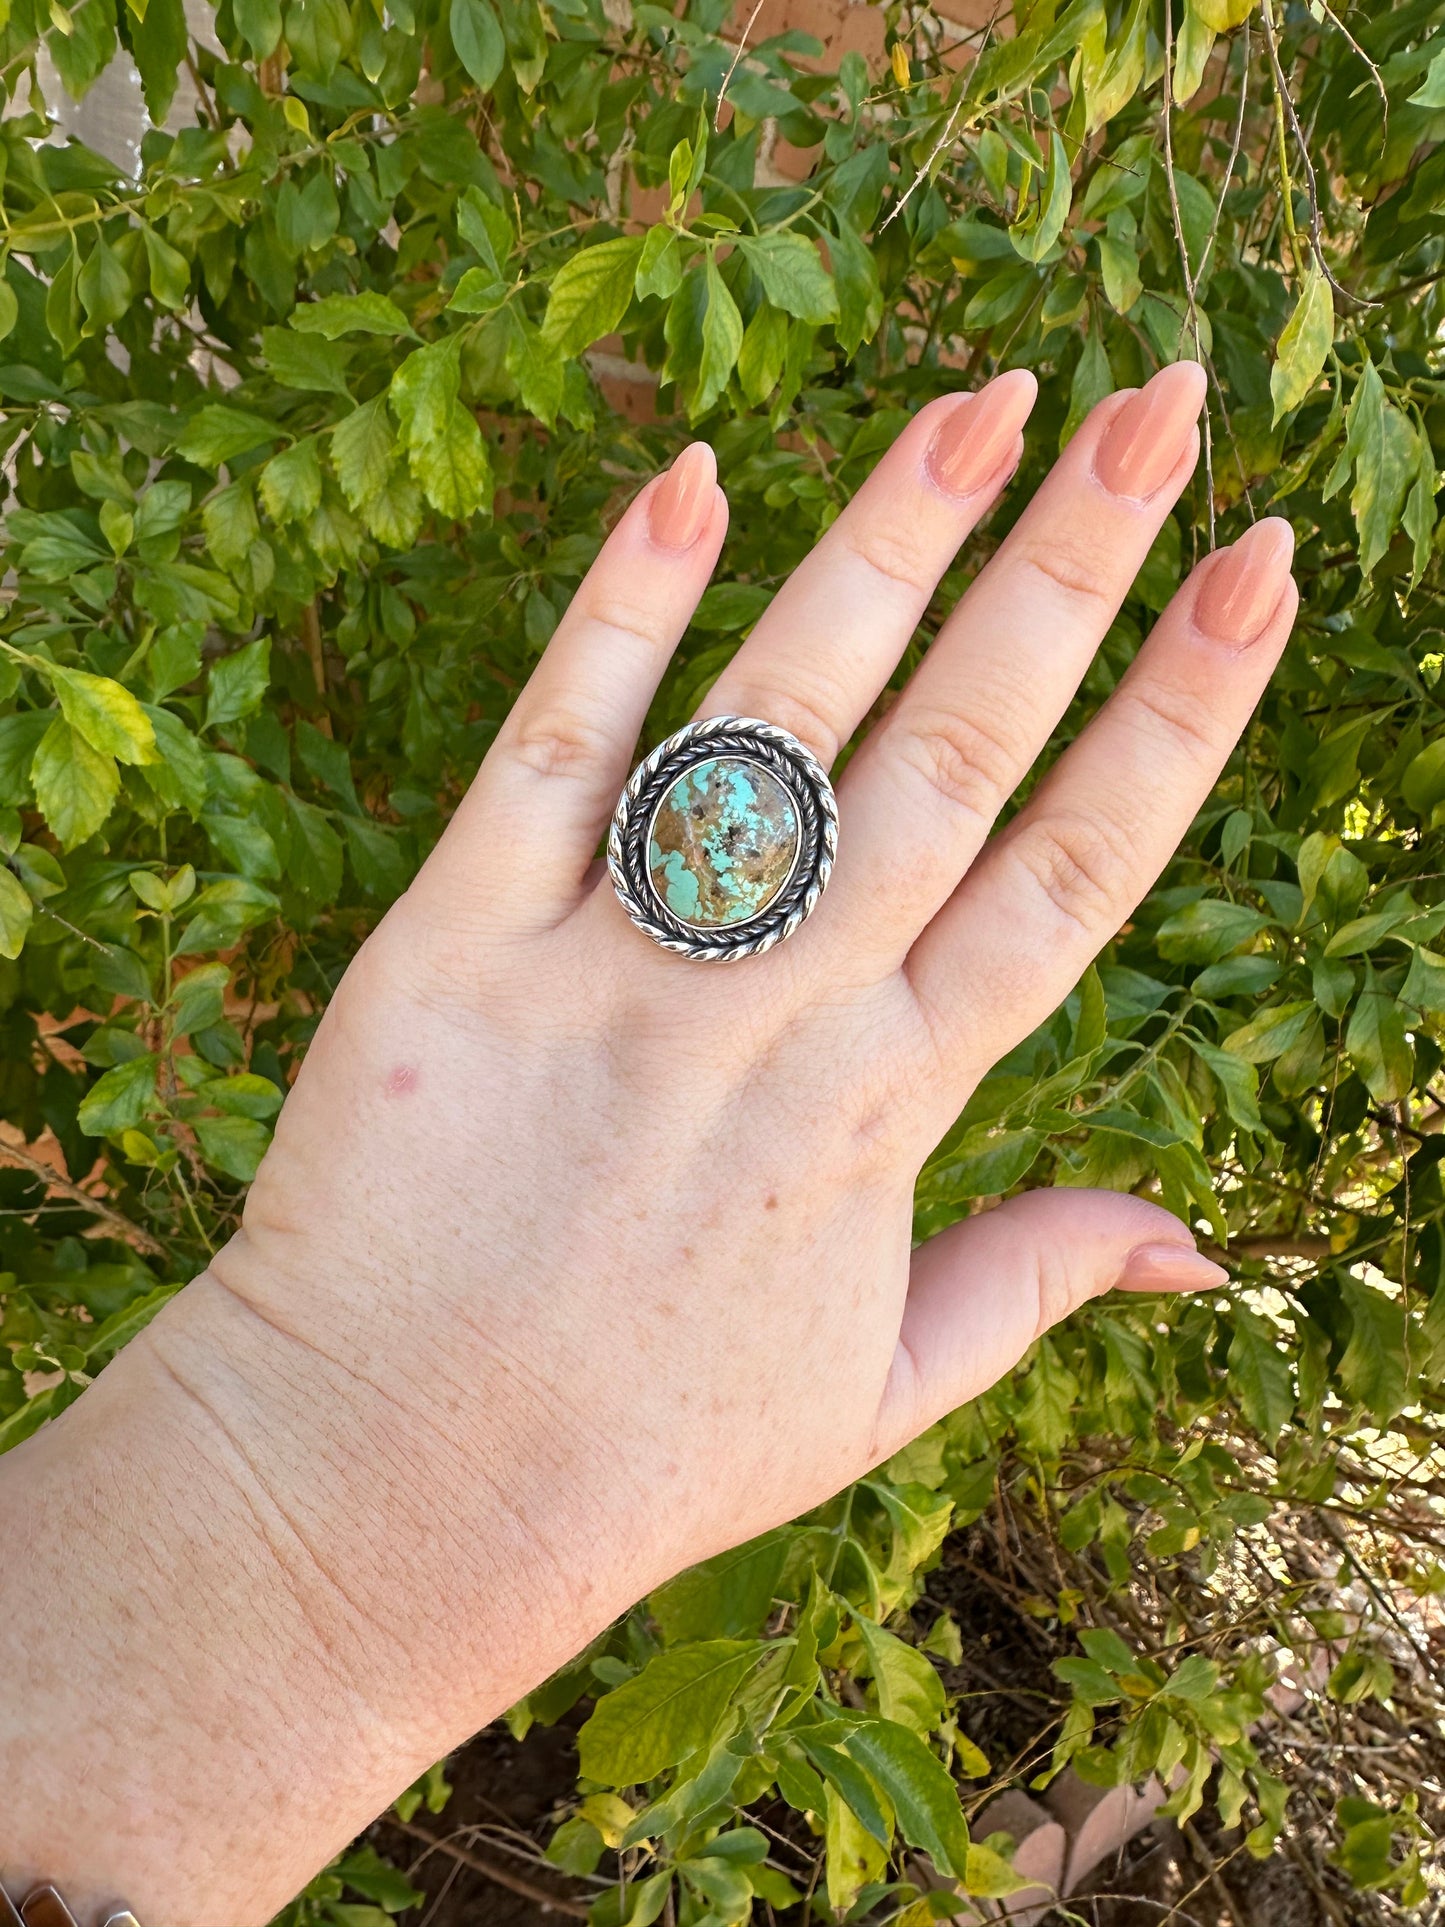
(1081, 866)
(1160, 710)
(1065, 566)
(971, 767)
(811, 713)
(890, 551)
(608, 608)
(562, 742)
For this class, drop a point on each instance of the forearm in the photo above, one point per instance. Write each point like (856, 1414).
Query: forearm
(241, 1612)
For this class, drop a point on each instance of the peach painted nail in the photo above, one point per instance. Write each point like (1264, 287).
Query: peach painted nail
(1242, 587)
(682, 503)
(1142, 445)
(971, 444)
(1171, 1268)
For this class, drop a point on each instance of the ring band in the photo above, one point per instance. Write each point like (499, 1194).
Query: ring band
(724, 839)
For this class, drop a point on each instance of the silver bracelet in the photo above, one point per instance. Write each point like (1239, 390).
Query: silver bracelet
(43, 1907)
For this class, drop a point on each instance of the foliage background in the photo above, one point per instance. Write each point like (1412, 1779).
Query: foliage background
(304, 455)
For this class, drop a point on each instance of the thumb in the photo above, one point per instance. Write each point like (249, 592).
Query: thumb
(981, 1292)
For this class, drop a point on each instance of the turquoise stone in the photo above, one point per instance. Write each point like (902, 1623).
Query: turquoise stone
(724, 841)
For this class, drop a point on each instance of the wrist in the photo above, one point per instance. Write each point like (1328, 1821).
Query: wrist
(241, 1615)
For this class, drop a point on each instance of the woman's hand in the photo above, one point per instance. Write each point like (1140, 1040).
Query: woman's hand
(573, 1261)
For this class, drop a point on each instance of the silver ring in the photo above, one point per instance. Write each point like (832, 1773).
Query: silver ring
(724, 839)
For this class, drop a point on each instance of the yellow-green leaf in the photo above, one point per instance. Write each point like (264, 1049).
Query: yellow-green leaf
(1304, 344)
(75, 785)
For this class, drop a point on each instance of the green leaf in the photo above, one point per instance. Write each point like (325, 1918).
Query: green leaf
(477, 37)
(230, 524)
(1431, 91)
(75, 785)
(364, 1870)
(983, 1162)
(536, 369)
(223, 912)
(1424, 986)
(722, 337)
(217, 434)
(304, 362)
(1119, 262)
(364, 449)
(121, 1098)
(1272, 1033)
(668, 1710)
(237, 683)
(1238, 1083)
(1378, 1045)
(1303, 345)
(1046, 1410)
(19, 739)
(1259, 1373)
(312, 853)
(1223, 16)
(590, 294)
(1372, 1369)
(659, 267)
(860, 296)
(486, 230)
(105, 714)
(1203, 932)
(1381, 444)
(443, 443)
(158, 43)
(169, 271)
(16, 912)
(335, 315)
(1420, 513)
(235, 1145)
(793, 276)
(1195, 1678)
(726, 1597)
(908, 1687)
(259, 23)
(1093, 380)
(760, 358)
(923, 1796)
(104, 288)
(290, 482)
(1037, 232)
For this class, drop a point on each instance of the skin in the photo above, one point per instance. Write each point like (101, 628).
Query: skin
(574, 1262)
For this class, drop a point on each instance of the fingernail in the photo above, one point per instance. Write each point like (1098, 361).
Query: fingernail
(1170, 1268)
(971, 444)
(683, 500)
(1242, 587)
(1142, 445)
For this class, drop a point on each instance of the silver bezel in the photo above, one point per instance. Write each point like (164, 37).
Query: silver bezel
(806, 781)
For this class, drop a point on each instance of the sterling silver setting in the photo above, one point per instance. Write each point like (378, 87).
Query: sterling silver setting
(792, 765)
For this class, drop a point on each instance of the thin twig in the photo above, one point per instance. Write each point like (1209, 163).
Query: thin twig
(51, 1178)
(733, 67)
(945, 139)
(1285, 104)
(499, 1876)
(1191, 318)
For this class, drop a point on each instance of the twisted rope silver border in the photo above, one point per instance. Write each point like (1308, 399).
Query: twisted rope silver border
(806, 781)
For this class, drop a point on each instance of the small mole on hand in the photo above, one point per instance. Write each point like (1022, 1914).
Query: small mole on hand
(770, 1202)
(401, 1080)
